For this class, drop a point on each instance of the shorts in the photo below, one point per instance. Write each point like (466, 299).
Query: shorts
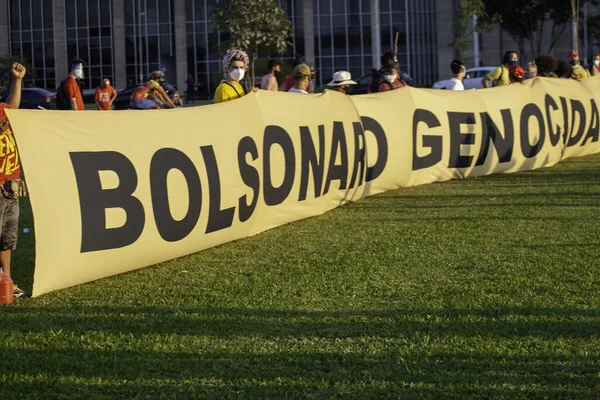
(142, 104)
(9, 223)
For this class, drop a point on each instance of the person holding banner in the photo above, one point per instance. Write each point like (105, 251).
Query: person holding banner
(530, 70)
(302, 77)
(341, 82)
(235, 64)
(288, 82)
(594, 68)
(391, 75)
(579, 73)
(11, 185)
(546, 64)
(501, 75)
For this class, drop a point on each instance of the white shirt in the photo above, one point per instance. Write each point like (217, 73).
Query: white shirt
(455, 84)
(294, 90)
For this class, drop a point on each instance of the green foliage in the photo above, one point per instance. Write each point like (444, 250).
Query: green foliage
(593, 28)
(485, 23)
(479, 288)
(525, 20)
(6, 63)
(253, 25)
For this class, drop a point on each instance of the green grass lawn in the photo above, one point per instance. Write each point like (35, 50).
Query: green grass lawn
(479, 288)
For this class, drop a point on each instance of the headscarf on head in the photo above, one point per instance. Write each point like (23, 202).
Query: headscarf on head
(234, 55)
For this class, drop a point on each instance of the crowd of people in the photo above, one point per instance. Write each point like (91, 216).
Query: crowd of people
(544, 65)
(155, 93)
(235, 63)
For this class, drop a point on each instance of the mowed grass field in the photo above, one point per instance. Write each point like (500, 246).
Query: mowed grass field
(479, 288)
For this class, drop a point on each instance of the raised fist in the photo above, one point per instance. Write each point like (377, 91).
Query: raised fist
(18, 71)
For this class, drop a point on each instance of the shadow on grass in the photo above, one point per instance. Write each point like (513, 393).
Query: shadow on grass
(277, 356)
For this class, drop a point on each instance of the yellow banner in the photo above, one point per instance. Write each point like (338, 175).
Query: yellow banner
(115, 191)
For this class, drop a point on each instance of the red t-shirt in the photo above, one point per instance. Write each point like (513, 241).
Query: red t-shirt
(384, 87)
(104, 96)
(147, 91)
(72, 90)
(10, 166)
(288, 83)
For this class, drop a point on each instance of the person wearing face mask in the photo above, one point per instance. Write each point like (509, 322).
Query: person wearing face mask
(341, 81)
(579, 72)
(390, 73)
(594, 68)
(456, 82)
(69, 94)
(234, 66)
(500, 76)
(530, 70)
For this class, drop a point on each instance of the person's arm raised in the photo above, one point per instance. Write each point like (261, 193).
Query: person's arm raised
(17, 73)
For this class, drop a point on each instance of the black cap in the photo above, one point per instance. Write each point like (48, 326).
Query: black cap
(391, 64)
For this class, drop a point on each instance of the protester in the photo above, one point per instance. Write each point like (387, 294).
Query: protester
(530, 70)
(269, 81)
(517, 74)
(341, 81)
(288, 82)
(190, 95)
(170, 90)
(234, 64)
(563, 69)
(11, 186)
(390, 72)
(579, 72)
(302, 76)
(313, 75)
(69, 95)
(546, 64)
(377, 76)
(594, 68)
(142, 97)
(500, 76)
(458, 71)
(105, 95)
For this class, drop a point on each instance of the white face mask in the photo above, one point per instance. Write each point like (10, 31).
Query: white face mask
(390, 78)
(237, 74)
(596, 62)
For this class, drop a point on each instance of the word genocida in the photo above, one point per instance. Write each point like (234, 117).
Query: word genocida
(574, 122)
(349, 170)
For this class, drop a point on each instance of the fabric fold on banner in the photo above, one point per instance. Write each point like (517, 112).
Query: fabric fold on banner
(114, 192)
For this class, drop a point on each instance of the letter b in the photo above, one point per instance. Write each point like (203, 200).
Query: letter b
(94, 200)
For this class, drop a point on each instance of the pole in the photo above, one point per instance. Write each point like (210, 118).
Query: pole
(396, 43)
(140, 13)
(475, 43)
(585, 34)
(575, 9)
(375, 33)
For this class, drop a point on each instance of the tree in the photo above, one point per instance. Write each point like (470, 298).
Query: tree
(6, 63)
(524, 21)
(485, 23)
(253, 25)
